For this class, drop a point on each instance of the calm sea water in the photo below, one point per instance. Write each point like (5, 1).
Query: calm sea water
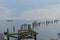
(45, 32)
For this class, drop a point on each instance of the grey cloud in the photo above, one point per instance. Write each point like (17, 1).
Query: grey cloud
(51, 12)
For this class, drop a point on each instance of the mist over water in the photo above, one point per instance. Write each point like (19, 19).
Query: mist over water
(45, 32)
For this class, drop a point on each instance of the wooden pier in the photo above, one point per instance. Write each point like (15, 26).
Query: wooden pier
(22, 34)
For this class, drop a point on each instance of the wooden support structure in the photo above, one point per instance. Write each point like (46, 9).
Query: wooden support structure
(22, 34)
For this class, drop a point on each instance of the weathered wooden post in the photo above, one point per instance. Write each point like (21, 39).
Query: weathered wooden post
(35, 37)
(7, 37)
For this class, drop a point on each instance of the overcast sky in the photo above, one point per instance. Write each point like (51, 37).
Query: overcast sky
(29, 9)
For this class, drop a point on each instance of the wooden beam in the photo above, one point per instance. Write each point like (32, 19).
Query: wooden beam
(13, 36)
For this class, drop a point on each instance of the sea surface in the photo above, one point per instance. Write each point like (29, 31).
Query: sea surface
(48, 32)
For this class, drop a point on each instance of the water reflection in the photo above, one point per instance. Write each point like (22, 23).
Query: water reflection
(46, 32)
